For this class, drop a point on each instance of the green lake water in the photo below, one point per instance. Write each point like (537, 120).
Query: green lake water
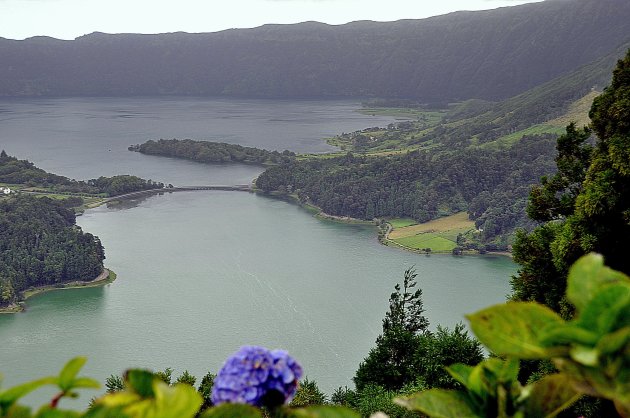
(202, 273)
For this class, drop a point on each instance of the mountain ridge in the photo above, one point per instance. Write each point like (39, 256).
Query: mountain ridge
(484, 54)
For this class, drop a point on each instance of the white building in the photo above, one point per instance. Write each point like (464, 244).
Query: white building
(5, 190)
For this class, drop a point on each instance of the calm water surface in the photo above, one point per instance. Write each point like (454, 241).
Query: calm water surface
(201, 273)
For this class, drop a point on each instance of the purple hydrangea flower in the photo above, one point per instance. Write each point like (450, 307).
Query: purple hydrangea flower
(257, 376)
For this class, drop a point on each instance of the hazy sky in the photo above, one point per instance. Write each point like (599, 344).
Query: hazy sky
(67, 19)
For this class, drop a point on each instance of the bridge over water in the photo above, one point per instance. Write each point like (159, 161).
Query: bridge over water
(234, 188)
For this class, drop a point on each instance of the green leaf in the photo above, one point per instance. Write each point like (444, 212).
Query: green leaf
(119, 399)
(550, 395)
(438, 403)
(16, 411)
(605, 308)
(460, 372)
(321, 411)
(615, 341)
(69, 372)
(585, 355)
(85, 383)
(235, 410)
(101, 411)
(9, 396)
(509, 372)
(48, 412)
(478, 382)
(140, 381)
(587, 276)
(568, 333)
(179, 401)
(514, 329)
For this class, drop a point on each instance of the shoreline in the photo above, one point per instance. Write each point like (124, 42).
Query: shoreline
(382, 239)
(107, 276)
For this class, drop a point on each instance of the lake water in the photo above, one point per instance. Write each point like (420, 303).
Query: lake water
(201, 273)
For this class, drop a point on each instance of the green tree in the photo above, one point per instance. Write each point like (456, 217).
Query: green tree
(308, 393)
(440, 349)
(405, 307)
(114, 383)
(186, 378)
(205, 390)
(390, 363)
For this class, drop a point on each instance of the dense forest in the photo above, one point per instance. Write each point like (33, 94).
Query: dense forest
(14, 171)
(212, 152)
(484, 55)
(491, 185)
(40, 244)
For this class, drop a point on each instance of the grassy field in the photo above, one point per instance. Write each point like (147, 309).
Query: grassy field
(509, 140)
(578, 112)
(401, 222)
(440, 235)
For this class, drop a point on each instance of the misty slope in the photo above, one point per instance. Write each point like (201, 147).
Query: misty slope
(489, 55)
(487, 122)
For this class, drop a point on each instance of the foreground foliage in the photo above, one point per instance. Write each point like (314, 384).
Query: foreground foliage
(591, 352)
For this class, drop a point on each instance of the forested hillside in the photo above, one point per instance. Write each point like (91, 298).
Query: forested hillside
(492, 185)
(486, 55)
(40, 244)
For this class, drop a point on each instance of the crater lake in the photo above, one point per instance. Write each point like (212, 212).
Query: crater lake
(202, 273)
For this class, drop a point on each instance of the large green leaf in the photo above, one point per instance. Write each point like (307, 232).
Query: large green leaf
(615, 341)
(16, 411)
(603, 311)
(179, 401)
(568, 333)
(102, 411)
(514, 329)
(587, 276)
(461, 373)
(69, 372)
(235, 410)
(438, 403)
(140, 381)
(47, 412)
(550, 395)
(9, 396)
(321, 411)
(85, 383)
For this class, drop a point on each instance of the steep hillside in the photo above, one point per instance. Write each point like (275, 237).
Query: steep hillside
(547, 108)
(489, 55)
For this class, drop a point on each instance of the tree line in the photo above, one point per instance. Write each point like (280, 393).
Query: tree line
(14, 171)
(212, 152)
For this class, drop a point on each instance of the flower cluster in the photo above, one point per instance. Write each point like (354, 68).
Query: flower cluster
(257, 376)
